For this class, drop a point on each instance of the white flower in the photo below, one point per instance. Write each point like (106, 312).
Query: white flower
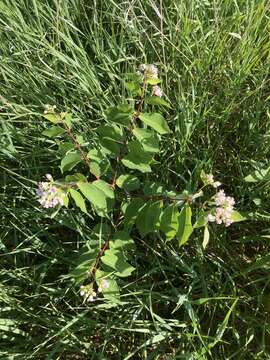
(217, 184)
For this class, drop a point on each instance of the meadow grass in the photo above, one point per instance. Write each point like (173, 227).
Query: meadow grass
(181, 304)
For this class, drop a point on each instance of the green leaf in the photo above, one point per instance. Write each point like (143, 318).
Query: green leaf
(64, 147)
(79, 200)
(100, 194)
(156, 100)
(132, 163)
(259, 175)
(107, 190)
(85, 263)
(148, 139)
(137, 158)
(132, 211)
(70, 161)
(122, 241)
(54, 118)
(120, 114)
(128, 182)
(185, 226)
(54, 131)
(116, 260)
(237, 217)
(153, 188)
(99, 164)
(133, 87)
(75, 178)
(206, 237)
(169, 222)
(110, 138)
(152, 81)
(67, 119)
(148, 219)
(155, 121)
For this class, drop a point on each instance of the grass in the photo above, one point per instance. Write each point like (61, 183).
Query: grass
(188, 304)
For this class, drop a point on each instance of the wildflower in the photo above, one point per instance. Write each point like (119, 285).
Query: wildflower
(157, 91)
(208, 179)
(88, 292)
(224, 209)
(149, 71)
(49, 195)
(49, 109)
(221, 199)
(104, 284)
(152, 71)
(211, 218)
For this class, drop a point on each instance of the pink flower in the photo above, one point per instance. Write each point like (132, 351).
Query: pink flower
(157, 91)
(49, 195)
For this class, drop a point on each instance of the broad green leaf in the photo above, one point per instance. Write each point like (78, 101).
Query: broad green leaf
(132, 163)
(120, 114)
(70, 161)
(185, 227)
(99, 164)
(154, 188)
(107, 190)
(54, 118)
(133, 87)
(237, 217)
(137, 158)
(169, 222)
(122, 241)
(80, 140)
(75, 178)
(148, 139)
(128, 182)
(111, 132)
(54, 131)
(156, 100)
(79, 200)
(148, 219)
(152, 81)
(111, 137)
(67, 119)
(131, 212)
(64, 147)
(259, 175)
(116, 260)
(155, 121)
(206, 237)
(100, 194)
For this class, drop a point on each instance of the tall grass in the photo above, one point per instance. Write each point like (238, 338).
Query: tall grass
(188, 304)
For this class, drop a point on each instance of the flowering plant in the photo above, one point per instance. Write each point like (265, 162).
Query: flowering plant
(112, 186)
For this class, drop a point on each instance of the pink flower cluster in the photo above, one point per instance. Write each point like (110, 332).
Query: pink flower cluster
(88, 293)
(157, 91)
(49, 195)
(150, 71)
(224, 209)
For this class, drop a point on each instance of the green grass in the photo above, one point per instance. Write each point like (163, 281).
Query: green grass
(214, 61)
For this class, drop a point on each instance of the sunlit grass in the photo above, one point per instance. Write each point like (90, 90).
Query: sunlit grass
(214, 61)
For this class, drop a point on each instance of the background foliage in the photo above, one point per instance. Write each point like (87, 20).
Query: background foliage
(179, 304)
